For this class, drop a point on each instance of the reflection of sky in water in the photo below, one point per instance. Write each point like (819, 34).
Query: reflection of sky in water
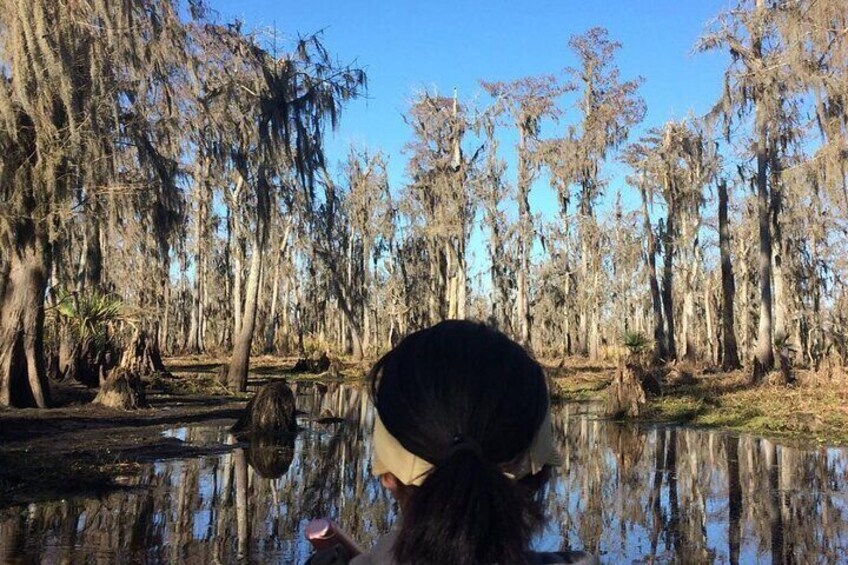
(633, 495)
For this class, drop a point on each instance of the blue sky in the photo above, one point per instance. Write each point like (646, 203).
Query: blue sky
(408, 46)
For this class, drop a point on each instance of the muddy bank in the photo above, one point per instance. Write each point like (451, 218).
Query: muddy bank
(80, 448)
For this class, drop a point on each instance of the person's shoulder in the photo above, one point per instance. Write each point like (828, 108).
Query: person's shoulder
(562, 558)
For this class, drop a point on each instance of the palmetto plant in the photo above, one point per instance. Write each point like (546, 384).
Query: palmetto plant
(637, 343)
(90, 315)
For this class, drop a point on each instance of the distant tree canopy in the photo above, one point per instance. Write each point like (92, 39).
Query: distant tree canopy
(175, 164)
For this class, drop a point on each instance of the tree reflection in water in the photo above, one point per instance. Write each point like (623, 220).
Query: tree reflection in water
(630, 494)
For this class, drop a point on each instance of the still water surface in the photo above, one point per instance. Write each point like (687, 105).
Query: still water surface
(629, 494)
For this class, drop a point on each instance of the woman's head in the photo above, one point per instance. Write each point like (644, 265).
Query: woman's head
(468, 403)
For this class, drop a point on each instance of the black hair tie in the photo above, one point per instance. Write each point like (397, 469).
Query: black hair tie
(462, 443)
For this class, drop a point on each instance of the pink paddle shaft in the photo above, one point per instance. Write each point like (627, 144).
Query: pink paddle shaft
(323, 533)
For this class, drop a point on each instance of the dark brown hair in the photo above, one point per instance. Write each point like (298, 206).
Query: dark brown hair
(466, 398)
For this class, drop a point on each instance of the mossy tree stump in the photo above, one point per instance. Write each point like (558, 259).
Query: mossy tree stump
(271, 412)
(318, 363)
(123, 389)
(142, 356)
(625, 395)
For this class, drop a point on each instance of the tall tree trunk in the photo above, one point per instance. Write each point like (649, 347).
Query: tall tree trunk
(709, 309)
(226, 336)
(745, 293)
(184, 303)
(349, 317)
(690, 221)
(656, 303)
(240, 362)
(730, 353)
(165, 289)
(201, 245)
(500, 289)
(461, 282)
(583, 322)
(273, 316)
(94, 249)
(595, 334)
(567, 313)
(236, 253)
(780, 329)
(23, 378)
(780, 316)
(667, 285)
(525, 236)
(764, 360)
(433, 309)
(343, 293)
(238, 294)
(356, 342)
(286, 317)
(450, 291)
(365, 294)
(272, 322)
(690, 350)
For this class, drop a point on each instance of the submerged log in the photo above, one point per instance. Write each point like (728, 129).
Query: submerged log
(625, 395)
(270, 412)
(122, 390)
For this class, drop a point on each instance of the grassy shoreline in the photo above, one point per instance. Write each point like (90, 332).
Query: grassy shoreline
(808, 411)
(815, 409)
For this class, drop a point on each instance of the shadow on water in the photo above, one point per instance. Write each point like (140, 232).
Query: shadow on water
(629, 494)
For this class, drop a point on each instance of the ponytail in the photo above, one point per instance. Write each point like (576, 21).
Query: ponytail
(467, 512)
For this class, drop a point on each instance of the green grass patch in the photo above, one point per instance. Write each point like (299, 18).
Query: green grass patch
(579, 388)
(808, 411)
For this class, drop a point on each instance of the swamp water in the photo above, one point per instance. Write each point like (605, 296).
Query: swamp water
(630, 494)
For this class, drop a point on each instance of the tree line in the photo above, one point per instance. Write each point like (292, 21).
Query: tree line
(158, 158)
